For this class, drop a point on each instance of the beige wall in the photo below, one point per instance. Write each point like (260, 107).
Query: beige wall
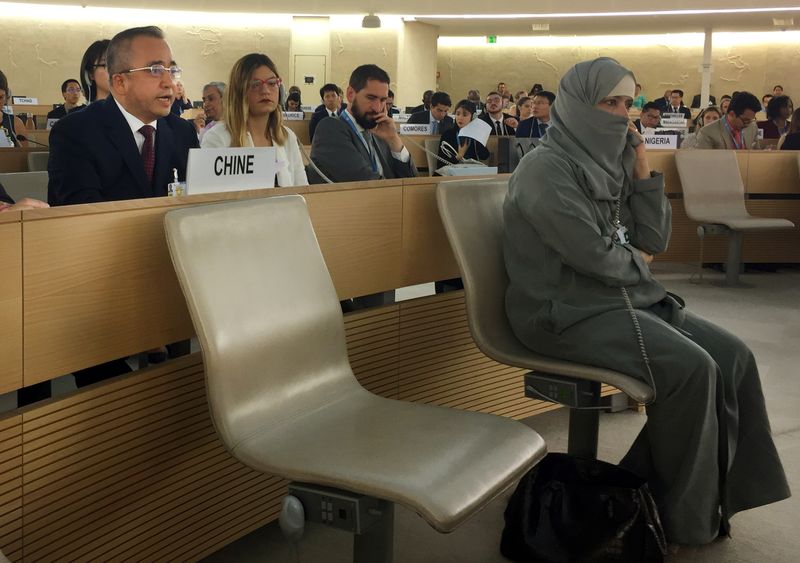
(755, 67)
(41, 56)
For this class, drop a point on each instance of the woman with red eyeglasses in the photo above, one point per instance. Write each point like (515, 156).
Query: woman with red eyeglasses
(253, 117)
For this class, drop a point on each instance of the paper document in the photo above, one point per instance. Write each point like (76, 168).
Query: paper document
(478, 129)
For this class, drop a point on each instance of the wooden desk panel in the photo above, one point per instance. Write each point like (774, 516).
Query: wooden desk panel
(773, 172)
(11, 302)
(426, 251)
(97, 287)
(16, 159)
(300, 129)
(359, 232)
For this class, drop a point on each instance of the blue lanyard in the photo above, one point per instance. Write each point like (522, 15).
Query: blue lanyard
(733, 137)
(345, 116)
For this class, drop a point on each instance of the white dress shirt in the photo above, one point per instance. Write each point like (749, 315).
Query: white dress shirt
(135, 124)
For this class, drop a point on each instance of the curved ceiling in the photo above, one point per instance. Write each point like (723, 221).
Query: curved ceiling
(515, 17)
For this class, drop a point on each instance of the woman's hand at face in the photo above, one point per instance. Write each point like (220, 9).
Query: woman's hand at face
(641, 169)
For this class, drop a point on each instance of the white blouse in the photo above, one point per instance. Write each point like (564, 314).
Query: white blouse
(293, 174)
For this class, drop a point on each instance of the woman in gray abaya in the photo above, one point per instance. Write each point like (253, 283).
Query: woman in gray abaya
(584, 216)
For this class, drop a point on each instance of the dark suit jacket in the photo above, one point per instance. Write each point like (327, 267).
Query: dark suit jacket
(417, 109)
(488, 119)
(338, 151)
(791, 143)
(422, 117)
(696, 101)
(662, 104)
(687, 113)
(529, 128)
(475, 150)
(319, 114)
(93, 156)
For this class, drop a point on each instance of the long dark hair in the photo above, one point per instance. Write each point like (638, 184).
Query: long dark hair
(94, 53)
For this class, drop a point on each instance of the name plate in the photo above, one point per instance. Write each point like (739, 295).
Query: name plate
(670, 115)
(416, 129)
(673, 122)
(230, 170)
(401, 117)
(293, 115)
(309, 109)
(660, 142)
(24, 101)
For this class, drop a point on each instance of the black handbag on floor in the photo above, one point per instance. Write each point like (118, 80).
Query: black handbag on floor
(571, 509)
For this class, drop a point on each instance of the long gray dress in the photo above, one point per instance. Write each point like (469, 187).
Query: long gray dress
(706, 449)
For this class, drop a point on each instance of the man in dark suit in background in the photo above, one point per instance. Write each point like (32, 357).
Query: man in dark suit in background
(437, 115)
(663, 102)
(649, 118)
(123, 147)
(362, 143)
(676, 105)
(501, 123)
(331, 106)
(426, 102)
(126, 146)
(535, 126)
(712, 101)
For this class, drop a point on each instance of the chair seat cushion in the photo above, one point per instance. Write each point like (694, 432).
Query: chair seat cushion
(441, 462)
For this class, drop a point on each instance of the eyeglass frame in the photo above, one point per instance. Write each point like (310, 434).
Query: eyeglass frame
(77, 90)
(251, 84)
(174, 71)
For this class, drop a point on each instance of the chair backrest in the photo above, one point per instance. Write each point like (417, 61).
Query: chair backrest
(432, 146)
(265, 311)
(712, 184)
(472, 214)
(25, 184)
(37, 161)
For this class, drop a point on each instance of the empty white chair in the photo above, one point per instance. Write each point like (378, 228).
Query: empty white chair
(284, 399)
(713, 195)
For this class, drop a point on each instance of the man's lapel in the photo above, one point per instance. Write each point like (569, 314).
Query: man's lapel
(165, 144)
(120, 135)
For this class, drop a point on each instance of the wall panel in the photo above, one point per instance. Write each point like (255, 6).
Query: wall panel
(11, 301)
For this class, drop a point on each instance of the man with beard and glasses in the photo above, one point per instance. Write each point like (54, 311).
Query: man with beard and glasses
(361, 143)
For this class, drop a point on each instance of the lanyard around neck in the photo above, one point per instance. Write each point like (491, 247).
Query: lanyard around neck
(345, 116)
(739, 145)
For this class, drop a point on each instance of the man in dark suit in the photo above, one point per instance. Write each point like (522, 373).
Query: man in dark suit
(331, 106)
(676, 105)
(501, 123)
(437, 115)
(535, 126)
(426, 102)
(126, 146)
(649, 118)
(362, 143)
(712, 101)
(123, 147)
(663, 102)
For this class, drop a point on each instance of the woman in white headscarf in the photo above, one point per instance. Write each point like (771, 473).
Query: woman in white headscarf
(584, 216)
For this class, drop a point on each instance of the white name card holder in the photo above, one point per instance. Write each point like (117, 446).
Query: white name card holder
(50, 122)
(679, 121)
(293, 115)
(661, 142)
(416, 129)
(308, 109)
(401, 117)
(24, 101)
(230, 170)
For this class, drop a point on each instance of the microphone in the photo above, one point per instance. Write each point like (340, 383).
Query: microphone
(24, 138)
